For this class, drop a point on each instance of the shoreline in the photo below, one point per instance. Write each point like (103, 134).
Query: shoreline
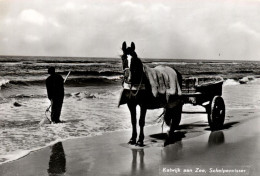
(193, 138)
(184, 121)
(24, 153)
(28, 152)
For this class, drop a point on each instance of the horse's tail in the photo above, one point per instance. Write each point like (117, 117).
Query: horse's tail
(179, 77)
(167, 116)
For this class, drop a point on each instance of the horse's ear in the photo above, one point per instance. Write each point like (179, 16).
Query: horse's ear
(124, 46)
(133, 46)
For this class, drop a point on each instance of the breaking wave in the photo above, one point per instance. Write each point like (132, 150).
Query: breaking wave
(244, 80)
(76, 95)
(73, 81)
(3, 82)
(230, 82)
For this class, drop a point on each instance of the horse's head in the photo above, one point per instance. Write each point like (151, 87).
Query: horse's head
(132, 65)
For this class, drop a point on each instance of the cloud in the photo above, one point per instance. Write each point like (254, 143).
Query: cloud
(160, 28)
(32, 16)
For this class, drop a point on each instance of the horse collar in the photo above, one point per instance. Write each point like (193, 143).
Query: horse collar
(136, 87)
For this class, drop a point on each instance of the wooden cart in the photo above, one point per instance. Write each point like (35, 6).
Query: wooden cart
(206, 92)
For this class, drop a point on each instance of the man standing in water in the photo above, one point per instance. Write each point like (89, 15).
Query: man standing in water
(55, 91)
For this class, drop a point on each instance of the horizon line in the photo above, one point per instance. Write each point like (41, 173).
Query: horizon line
(148, 58)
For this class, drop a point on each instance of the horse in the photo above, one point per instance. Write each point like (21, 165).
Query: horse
(137, 90)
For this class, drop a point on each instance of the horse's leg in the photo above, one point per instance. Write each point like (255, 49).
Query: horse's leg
(132, 108)
(141, 124)
(176, 118)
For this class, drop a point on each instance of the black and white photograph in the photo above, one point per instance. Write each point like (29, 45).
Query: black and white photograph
(129, 87)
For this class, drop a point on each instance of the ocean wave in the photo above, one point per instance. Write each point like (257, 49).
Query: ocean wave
(43, 73)
(80, 130)
(88, 95)
(92, 81)
(218, 63)
(71, 81)
(230, 82)
(3, 82)
(94, 73)
(247, 79)
(173, 63)
(244, 80)
(76, 95)
(49, 134)
(207, 73)
(17, 96)
(244, 71)
(113, 77)
(25, 83)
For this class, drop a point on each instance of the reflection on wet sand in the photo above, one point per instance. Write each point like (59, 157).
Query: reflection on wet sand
(172, 145)
(135, 169)
(216, 138)
(172, 152)
(175, 137)
(57, 163)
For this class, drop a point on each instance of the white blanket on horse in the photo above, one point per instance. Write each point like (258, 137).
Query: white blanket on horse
(163, 80)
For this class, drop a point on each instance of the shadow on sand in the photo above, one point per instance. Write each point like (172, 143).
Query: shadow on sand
(215, 136)
(175, 137)
(225, 126)
(57, 163)
(175, 151)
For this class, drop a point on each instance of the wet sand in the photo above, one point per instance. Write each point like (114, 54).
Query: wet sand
(236, 148)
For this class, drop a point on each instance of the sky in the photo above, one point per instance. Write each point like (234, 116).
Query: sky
(177, 29)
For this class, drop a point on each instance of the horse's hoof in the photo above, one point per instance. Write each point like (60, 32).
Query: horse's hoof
(132, 142)
(140, 144)
(170, 134)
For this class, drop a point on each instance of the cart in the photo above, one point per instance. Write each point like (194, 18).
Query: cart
(206, 92)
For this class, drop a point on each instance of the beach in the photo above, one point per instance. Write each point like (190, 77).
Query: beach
(235, 148)
(112, 54)
(95, 132)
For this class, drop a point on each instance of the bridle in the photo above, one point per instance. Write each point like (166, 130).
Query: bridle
(131, 86)
(127, 78)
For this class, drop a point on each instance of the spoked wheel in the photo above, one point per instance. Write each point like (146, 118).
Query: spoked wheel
(216, 113)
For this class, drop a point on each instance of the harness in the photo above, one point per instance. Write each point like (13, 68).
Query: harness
(136, 87)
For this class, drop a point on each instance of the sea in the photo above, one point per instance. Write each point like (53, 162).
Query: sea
(92, 92)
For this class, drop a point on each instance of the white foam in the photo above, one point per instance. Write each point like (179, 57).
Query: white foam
(112, 77)
(94, 95)
(223, 63)
(59, 129)
(230, 82)
(14, 155)
(3, 82)
(22, 153)
(173, 63)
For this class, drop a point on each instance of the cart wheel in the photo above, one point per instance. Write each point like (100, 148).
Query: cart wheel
(216, 114)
